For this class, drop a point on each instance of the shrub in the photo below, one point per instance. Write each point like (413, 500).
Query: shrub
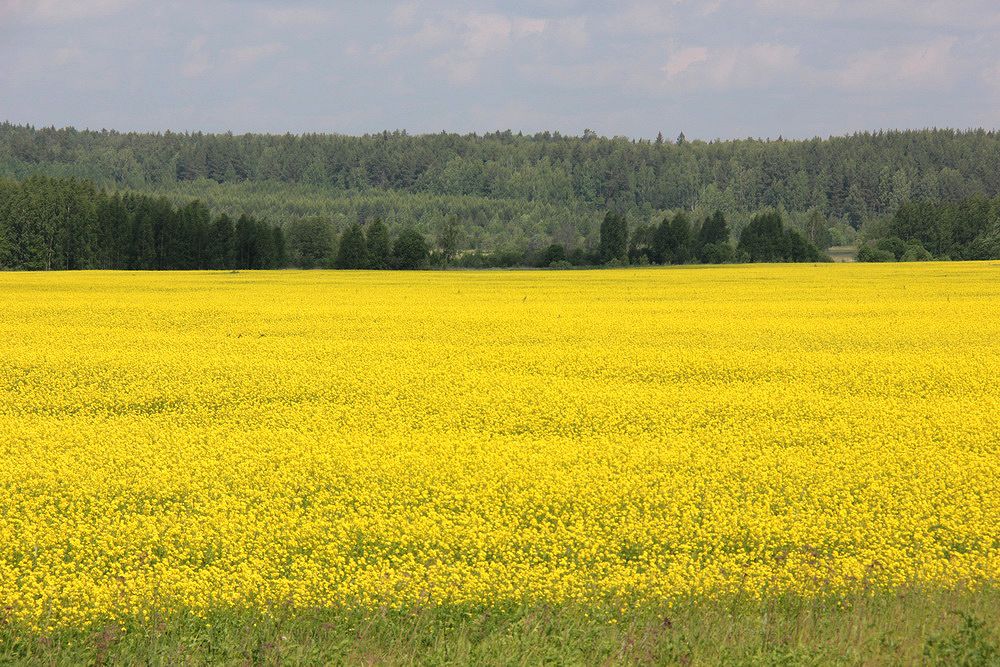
(872, 253)
(915, 252)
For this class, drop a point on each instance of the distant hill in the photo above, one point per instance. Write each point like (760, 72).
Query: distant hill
(513, 190)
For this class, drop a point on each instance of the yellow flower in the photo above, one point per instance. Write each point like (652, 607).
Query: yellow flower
(314, 439)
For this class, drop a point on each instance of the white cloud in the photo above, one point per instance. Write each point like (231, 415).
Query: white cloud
(689, 69)
(460, 43)
(719, 62)
(523, 27)
(568, 33)
(295, 17)
(67, 55)
(248, 55)
(457, 69)
(57, 11)
(581, 76)
(734, 68)
(991, 76)
(196, 61)
(404, 14)
(710, 7)
(929, 13)
(199, 60)
(929, 65)
(485, 33)
(643, 18)
(680, 61)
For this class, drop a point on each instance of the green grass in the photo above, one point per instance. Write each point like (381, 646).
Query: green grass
(914, 628)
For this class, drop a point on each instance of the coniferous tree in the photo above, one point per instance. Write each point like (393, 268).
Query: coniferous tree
(246, 246)
(113, 231)
(280, 257)
(264, 242)
(614, 238)
(525, 182)
(222, 244)
(48, 223)
(142, 246)
(35, 221)
(640, 244)
(713, 230)
(7, 190)
(310, 243)
(378, 245)
(671, 240)
(763, 239)
(352, 252)
(713, 240)
(77, 220)
(766, 240)
(680, 231)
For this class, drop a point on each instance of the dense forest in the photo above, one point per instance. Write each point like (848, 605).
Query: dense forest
(968, 229)
(506, 198)
(66, 223)
(51, 223)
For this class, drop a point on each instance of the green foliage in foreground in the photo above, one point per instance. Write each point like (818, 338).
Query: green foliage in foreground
(955, 628)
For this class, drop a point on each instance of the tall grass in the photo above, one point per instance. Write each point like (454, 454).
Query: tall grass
(947, 628)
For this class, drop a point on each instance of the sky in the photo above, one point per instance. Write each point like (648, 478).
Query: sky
(708, 68)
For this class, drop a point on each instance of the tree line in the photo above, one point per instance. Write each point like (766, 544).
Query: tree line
(675, 240)
(68, 223)
(968, 229)
(849, 179)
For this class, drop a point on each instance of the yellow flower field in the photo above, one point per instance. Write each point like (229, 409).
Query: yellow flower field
(197, 440)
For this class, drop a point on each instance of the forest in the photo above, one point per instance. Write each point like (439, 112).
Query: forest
(505, 199)
(67, 223)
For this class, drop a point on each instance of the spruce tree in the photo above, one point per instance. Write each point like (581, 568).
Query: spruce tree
(352, 252)
(378, 245)
(614, 238)
(713, 230)
(221, 250)
(763, 239)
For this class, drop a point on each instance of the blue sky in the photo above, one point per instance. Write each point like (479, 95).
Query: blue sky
(712, 68)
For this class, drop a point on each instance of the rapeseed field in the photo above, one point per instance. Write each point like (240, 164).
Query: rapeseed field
(377, 440)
